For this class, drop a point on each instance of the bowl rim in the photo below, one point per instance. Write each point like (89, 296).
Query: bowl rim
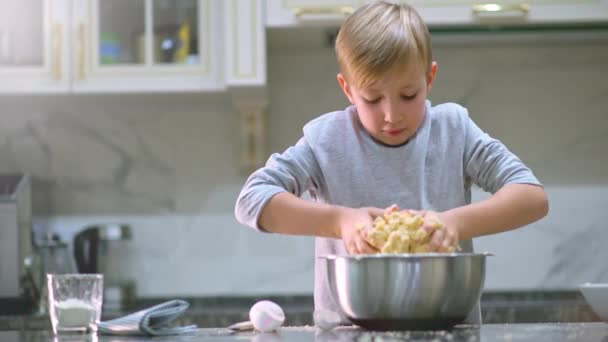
(593, 285)
(404, 256)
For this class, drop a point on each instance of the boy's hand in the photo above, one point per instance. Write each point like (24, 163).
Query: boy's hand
(444, 234)
(353, 223)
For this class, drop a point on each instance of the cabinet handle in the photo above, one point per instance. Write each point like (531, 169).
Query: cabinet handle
(480, 9)
(56, 49)
(341, 10)
(81, 49)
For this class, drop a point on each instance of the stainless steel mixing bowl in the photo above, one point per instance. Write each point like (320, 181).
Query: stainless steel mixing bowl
(407, 291)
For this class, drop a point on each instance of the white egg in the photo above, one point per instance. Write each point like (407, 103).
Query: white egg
(266, 316)
(326, 319)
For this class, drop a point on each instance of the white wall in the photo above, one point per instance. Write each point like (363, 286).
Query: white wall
(169, 166)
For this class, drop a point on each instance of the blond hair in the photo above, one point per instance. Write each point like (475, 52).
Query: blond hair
(378, 37)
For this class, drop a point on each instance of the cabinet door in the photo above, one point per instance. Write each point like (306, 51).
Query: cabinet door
(146, 45)
(245, 44)
(282, 13)
(33, 46)
(462, 12)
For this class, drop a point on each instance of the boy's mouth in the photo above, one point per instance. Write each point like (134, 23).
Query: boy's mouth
(394, 132)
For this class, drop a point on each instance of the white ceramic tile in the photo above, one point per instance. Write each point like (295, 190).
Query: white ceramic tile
(561, 251)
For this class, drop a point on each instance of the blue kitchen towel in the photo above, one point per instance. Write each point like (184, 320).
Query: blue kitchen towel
(151, 321)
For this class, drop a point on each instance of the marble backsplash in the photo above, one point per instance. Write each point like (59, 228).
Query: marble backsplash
(168, 165)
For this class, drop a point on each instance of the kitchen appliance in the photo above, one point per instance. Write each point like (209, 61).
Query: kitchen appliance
(407, 291)
(98, 249)
(15, 242)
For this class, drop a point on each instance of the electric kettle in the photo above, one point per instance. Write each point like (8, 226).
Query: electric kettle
(95, 251)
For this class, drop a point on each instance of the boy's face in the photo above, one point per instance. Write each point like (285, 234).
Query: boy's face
(393, 108)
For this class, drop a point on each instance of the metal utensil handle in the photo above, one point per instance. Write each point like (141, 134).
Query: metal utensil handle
(489, 8)
(342, 10)
(241, 326)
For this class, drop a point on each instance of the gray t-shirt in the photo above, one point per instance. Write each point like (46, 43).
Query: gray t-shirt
(338, 162)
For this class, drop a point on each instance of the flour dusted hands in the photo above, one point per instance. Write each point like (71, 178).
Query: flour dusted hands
(445, 238)
(410, 231)
(353, 225)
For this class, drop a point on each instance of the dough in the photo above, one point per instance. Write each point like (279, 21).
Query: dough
(402, 232)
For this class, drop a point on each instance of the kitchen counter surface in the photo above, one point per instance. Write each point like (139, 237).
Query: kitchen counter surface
(496, 308)
(554, 332)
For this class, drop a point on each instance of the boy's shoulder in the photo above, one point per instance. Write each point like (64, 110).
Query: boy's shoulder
(449, 113)
(450, 109)
(331, 118)
(327, 123)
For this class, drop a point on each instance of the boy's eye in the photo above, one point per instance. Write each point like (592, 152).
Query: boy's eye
(372, 101)
(409, 97)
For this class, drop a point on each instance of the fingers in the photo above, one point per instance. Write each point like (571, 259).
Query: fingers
(450, 241)
(393, 208)
(350, 247)
(375, 212)
(428, 227)
(358, 245)
(443, 241)
(363, 247)
(437, 240)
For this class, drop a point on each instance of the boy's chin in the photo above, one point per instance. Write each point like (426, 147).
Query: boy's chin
(394, 141)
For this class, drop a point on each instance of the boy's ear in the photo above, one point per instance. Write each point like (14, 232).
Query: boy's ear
(345, 88)
(430, 79)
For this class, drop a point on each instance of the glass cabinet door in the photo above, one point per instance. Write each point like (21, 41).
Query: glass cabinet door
(148, 32)
(146, 45)
(175, 32)
(121, 32)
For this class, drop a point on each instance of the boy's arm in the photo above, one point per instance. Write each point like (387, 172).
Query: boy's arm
(518, 197)
(294, 171)
(270, 202)
(287, 214)
(513, 206)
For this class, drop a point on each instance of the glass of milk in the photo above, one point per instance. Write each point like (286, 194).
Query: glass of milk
(75, 302)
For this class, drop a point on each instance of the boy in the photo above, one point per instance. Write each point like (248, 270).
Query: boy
(390, 147)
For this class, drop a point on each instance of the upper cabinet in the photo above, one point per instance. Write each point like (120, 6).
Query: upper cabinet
(461, 12)
(122, 46)
(245, 43)
(33, 46)
(280, 13)
(146, 45)
(49, 46)
(283, 13)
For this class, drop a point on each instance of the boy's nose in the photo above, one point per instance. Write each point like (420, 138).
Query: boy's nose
(391, 115)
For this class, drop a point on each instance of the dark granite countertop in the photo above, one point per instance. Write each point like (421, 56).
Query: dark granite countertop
(496, 307)
(553, 332)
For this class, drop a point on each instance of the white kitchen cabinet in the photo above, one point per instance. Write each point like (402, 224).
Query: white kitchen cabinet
(462, 12)
(49, 46)
(245, 43)
(246, 75)
(146, 45)
(287, 13)
(34, 46)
